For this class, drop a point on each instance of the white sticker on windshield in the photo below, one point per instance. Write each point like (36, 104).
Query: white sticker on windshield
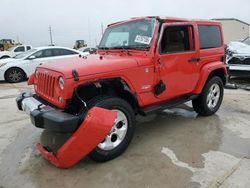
(143, 39)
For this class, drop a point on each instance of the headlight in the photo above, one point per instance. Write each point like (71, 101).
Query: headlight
(2, 64)
(231, 52)
(61, 83)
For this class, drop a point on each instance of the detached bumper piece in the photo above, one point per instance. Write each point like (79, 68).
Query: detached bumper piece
(86, 136)
(92, 131)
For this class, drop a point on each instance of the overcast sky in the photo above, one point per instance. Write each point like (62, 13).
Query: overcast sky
(70, 20)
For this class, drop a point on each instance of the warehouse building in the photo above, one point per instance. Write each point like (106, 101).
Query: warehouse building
(234, 29)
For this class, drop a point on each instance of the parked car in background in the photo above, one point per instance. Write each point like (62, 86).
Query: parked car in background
(87, 50)
(238, 58)
(21, 66)
(11, 52)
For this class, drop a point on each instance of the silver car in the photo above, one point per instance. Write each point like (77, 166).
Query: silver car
(238, 58)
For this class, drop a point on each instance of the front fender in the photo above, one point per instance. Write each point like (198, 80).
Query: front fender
(91, 132)
(206, 70)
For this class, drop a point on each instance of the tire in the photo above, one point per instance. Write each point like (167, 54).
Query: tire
(119, 139)
(209, 101)
(15, 75)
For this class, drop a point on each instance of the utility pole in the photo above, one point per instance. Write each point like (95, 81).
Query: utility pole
(89, 33)
(102, 28)
(50, 34)
(18, 42)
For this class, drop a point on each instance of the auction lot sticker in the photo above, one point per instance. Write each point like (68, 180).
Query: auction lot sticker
(143, 39)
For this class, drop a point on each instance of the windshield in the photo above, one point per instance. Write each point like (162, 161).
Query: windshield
(247, 41)
(25, 54)
(132, 35)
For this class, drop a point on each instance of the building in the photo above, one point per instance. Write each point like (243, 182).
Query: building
(234, 29)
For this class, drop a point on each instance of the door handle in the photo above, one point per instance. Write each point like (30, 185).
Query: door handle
(194, 60)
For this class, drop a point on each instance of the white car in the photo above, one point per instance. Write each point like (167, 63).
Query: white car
(20, 67)
(14, 51)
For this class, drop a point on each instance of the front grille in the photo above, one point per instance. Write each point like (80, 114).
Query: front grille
(46, 85)
(238, 61)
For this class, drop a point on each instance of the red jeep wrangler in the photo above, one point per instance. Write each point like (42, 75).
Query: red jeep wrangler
(143, 65)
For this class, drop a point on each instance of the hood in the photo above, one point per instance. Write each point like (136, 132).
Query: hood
(5, 52)
(8, 60)
(239, 48)
(92, 64)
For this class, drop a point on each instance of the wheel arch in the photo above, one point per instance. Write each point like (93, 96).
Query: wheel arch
(26, 75)
(208, 71)
(4, 56)
(116, 87)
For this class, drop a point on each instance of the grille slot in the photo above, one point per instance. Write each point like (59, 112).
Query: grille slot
(45, 85)
(237, 61)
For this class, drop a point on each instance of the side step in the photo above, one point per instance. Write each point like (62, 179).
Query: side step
(169, 104)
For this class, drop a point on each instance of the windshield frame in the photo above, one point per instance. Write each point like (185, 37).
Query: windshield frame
(130, 47)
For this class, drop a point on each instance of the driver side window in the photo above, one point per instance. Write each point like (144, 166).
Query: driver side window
(177, 39)
(43, 53)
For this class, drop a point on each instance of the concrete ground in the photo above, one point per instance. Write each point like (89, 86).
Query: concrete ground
(174, 148)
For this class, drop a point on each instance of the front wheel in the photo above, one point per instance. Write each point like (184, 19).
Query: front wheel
(211, 97)
(121, 133)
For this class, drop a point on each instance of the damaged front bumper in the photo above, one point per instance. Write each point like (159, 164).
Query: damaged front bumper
(86, 134)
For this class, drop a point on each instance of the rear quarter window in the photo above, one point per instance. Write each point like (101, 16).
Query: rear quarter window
(209, 36)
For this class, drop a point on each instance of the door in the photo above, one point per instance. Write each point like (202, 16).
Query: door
(178, 59)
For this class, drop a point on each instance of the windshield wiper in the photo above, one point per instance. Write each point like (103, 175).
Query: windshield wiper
(146, 47)
(130, 47)
(103, 48)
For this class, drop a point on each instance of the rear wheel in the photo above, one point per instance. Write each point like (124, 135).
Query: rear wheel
(211, 97)
(121, 133)
(14, 75)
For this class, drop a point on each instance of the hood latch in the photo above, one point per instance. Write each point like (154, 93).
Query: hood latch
(75, 75)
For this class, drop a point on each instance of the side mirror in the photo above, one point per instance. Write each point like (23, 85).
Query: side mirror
(32, 57)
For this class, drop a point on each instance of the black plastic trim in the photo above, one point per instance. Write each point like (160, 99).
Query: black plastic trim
(50, 118)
